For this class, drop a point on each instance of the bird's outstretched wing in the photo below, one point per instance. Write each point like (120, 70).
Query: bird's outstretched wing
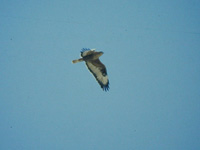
(98, 69)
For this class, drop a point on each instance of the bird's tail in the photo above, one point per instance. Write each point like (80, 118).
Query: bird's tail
(77, 60)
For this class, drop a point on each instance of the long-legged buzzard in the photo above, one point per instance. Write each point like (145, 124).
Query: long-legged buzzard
(95, 66)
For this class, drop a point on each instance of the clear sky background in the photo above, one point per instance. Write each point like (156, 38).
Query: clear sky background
(152, 54)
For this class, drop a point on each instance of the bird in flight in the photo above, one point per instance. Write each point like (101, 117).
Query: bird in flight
(95, 66)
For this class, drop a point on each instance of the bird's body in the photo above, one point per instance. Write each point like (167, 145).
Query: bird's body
(95, 66)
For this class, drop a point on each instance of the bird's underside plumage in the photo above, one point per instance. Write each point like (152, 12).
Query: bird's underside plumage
(95, 66)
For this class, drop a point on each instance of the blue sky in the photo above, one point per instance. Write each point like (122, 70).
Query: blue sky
(152, 54)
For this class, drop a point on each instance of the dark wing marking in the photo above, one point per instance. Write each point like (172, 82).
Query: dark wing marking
(87, 51)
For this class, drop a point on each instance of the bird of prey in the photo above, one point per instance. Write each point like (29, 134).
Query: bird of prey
(95, 66)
